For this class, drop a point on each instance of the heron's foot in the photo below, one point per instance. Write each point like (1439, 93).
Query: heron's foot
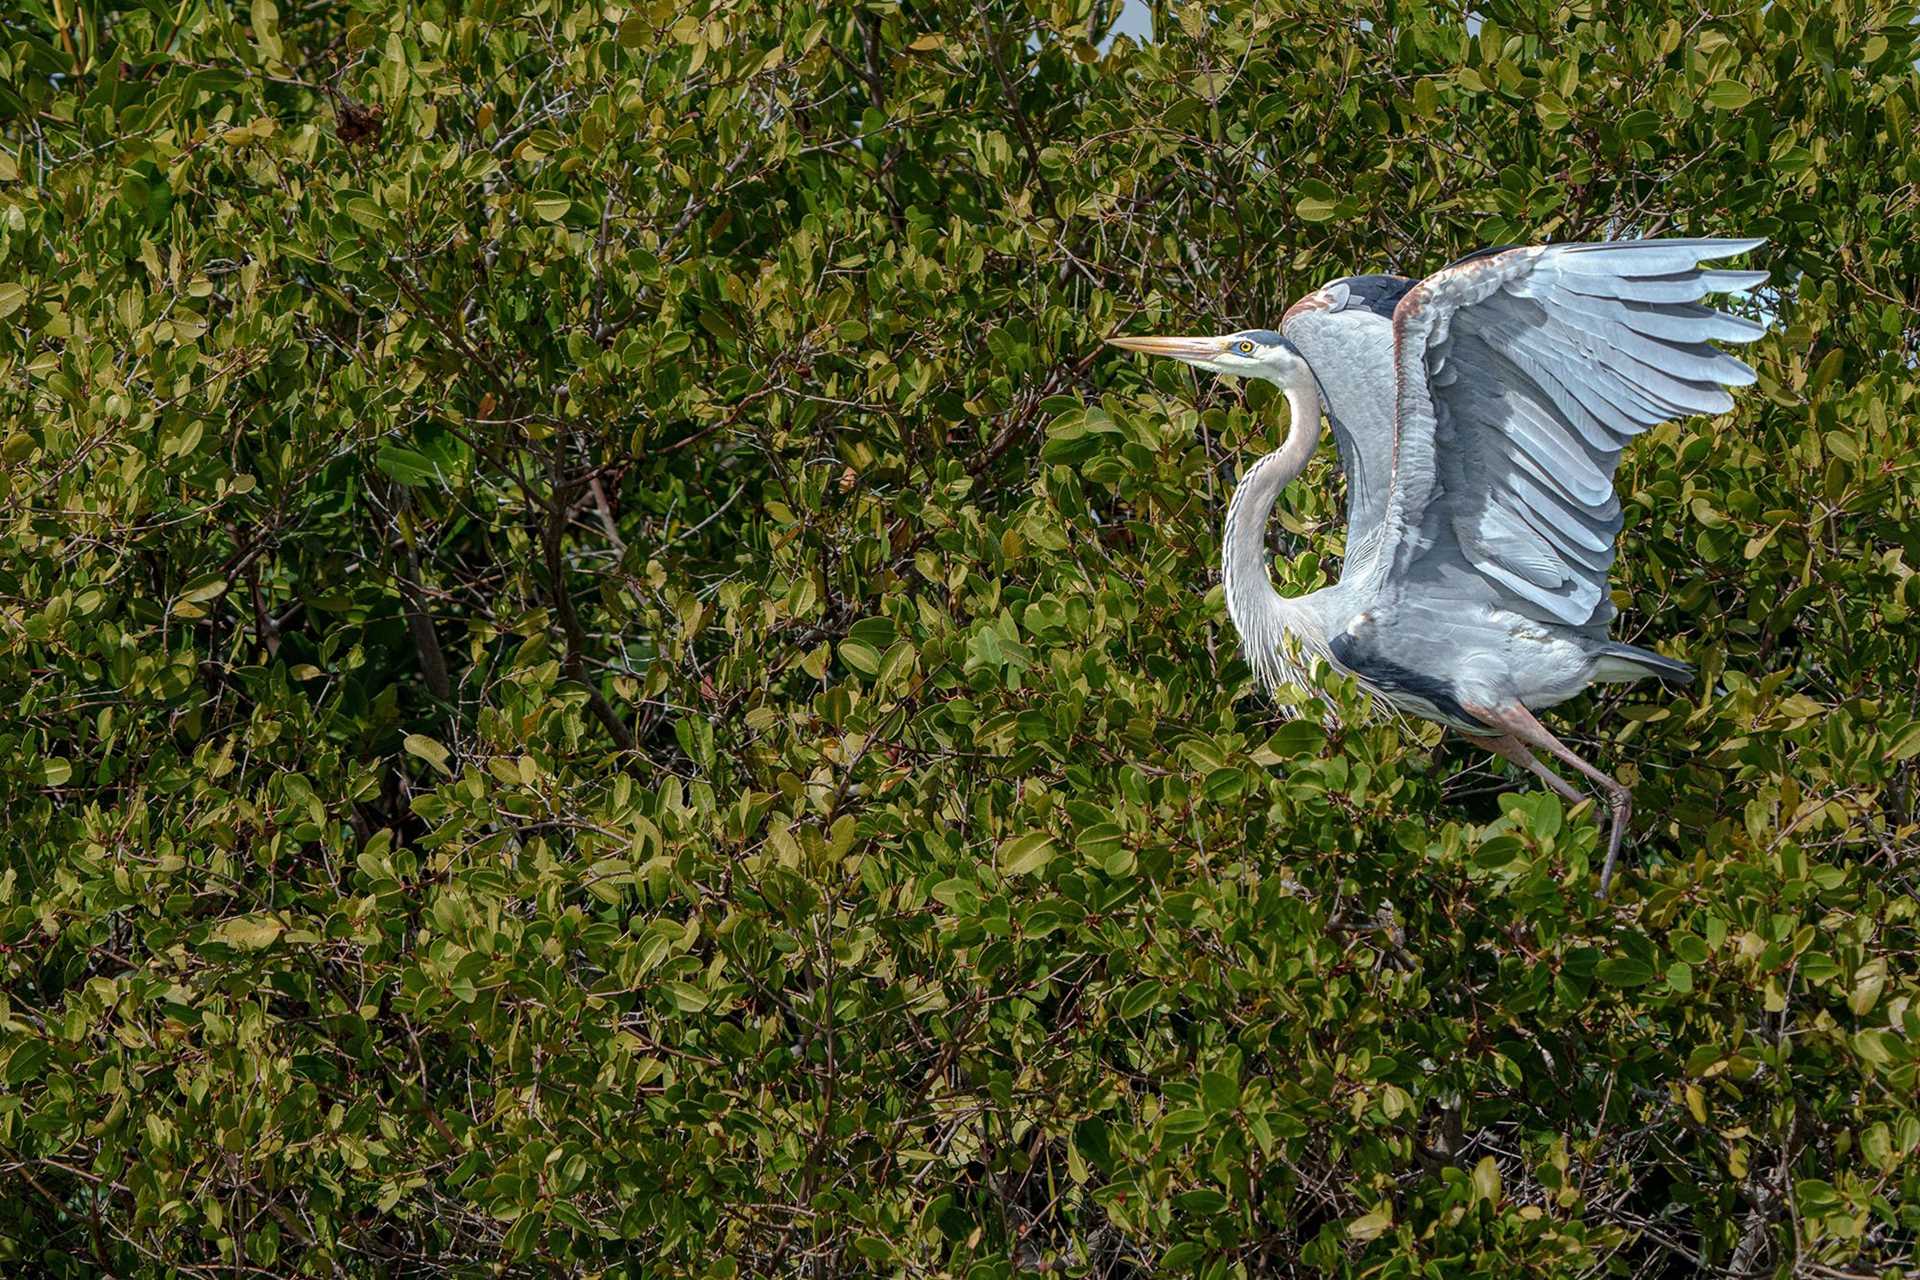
(1620, 802)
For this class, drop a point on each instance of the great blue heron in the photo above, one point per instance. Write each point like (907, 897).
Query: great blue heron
(1479, 415)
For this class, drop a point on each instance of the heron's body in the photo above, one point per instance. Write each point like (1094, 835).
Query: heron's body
(1479, 416)
(1443, 632)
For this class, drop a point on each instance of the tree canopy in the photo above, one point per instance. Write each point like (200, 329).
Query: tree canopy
(602, 676)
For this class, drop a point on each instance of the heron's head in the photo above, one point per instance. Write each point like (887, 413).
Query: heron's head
(1250, 353)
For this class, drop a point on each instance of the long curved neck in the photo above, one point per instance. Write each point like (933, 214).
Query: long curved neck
(1261, 615)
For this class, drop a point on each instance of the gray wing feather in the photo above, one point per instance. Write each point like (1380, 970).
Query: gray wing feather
(1604, 514)
(1647, 257)
(1508, 536)
(1520, 377)
(1686, 286)
(1688, 322)
(1690, 358)
(1559, 418)
(1575, 527)
(1580, 360)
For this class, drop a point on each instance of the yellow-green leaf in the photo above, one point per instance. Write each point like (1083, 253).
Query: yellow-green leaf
(250, 933)
(1486, 1180)
(1026, 853)
(1371, 1225)
(418, 744)
(1314, 209)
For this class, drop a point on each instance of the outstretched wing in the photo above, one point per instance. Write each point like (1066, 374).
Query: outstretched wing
(1520, 375)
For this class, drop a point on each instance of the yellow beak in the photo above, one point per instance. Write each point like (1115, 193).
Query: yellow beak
(1188, 349)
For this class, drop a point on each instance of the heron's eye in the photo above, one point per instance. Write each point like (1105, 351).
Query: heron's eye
(1246, 348)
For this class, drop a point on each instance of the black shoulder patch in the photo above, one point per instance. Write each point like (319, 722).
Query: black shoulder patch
(1359, 657)
(1378, 294)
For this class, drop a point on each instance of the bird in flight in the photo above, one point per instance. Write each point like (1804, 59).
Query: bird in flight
(1479, 414)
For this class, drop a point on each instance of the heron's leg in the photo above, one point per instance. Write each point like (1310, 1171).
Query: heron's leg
(1521, 724)
(1508, 747)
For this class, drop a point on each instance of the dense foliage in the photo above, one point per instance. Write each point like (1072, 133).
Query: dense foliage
(601, 675)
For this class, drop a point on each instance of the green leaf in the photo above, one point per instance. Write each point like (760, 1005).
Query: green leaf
(1549, 817)
(1222, 785)
(1623, 971)
(1184, 1123)
(958, 895)
(1221, 1091)
(860, 657)
(29, 1058)
(1140, 998)
(1501, 851)
(1203, 1200)
(367, 213)
(1426, 97)
(1728, 95)
(1182, 1256)
(1639, 124)
(1815, 1195)
(1100, 841)
(200, 590)
(685, 996)
(408, 466)
(1025, 854)
(1297, 738)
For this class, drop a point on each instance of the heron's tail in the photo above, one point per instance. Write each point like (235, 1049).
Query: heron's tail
(1630, 662)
